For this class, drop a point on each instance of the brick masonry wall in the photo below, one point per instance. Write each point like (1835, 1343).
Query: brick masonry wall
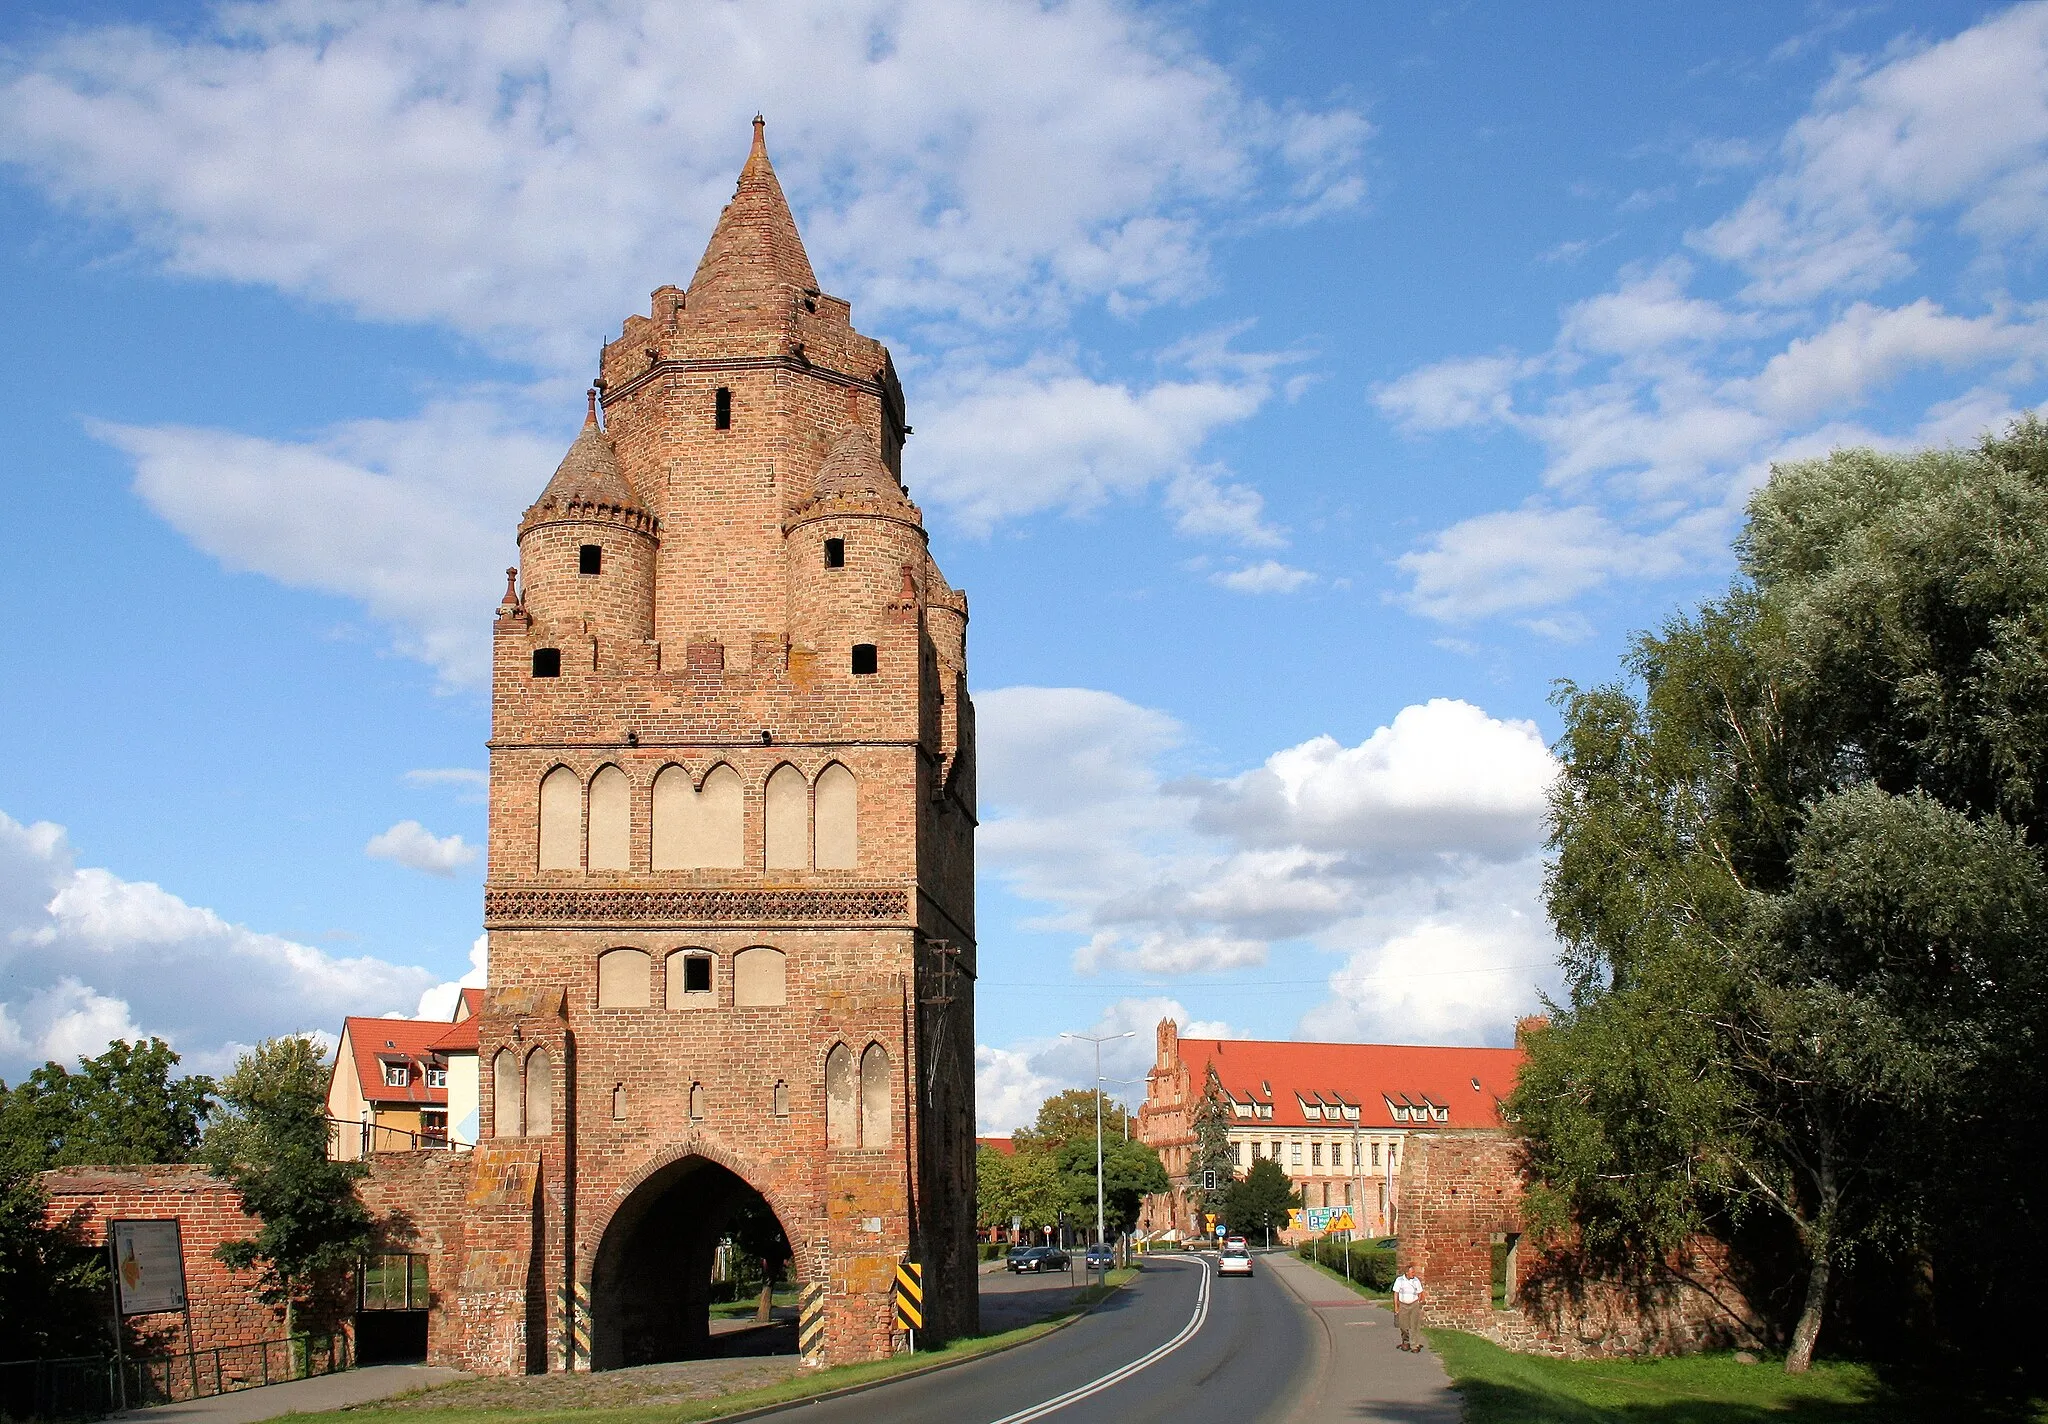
(1461, 1190)
(224, 1309)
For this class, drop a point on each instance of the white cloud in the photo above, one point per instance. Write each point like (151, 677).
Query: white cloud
(470, 784)
(86, 957)
(1267, 576)
(1010, 1083)
(1435, 820)
(1659, 409)
(438, 1003)
(412, 845)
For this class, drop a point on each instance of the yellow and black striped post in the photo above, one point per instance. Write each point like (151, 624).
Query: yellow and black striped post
(810, 1324)
(910, 1299)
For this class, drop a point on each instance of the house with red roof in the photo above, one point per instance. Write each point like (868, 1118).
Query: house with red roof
(403, 1084)
(1336, 1116)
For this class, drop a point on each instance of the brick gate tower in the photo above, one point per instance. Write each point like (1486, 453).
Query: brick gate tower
(731, 895)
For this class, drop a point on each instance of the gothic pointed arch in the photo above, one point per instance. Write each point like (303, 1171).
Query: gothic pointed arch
(539, 1116)
(611, 820)
(837, 819)
(561, 820)
(842, 1098)
(699, 827)
(876, 1127)
(788, 820)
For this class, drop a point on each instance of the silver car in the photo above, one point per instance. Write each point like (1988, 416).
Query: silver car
(1235, 1261)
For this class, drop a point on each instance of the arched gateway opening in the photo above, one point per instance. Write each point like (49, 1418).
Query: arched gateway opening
(651, 1287)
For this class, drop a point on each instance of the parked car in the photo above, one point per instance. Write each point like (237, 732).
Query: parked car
(1235, 1261)
(1101, 1257)
(1040, 1259)
(1016, 1253)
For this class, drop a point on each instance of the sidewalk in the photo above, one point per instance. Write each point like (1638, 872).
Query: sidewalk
(246, 1406)
(1359, 1374)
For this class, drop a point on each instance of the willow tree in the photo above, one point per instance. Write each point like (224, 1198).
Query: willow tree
(1797, 874)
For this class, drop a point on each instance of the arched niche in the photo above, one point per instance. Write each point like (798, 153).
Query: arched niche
(875, 1124)
(622, 976)
(699, 828)
(611, 820)
(561, 820)
(540, 1093)
(842, 1098)
(505, 1114)
(759, 978)
(837, 834)
(788, 820)
(689, 979)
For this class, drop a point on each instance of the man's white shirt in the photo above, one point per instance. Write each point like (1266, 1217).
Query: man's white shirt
(1407, 1289)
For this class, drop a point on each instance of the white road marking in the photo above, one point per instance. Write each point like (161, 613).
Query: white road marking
(1122, 1372)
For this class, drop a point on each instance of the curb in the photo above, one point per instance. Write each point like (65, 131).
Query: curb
(765, 1410)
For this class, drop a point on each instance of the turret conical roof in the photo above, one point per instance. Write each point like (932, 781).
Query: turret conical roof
(755, 257)
(588, 483)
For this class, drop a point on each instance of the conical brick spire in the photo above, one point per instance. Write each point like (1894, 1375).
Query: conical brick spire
(755, 259)
(588, 482)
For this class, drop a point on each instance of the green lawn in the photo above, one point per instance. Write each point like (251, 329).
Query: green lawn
(1338, 1276)
(744, 1309)
(1505, 1388)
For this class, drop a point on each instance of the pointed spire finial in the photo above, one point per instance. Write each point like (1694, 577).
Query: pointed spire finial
(760, 135)
(590, 414)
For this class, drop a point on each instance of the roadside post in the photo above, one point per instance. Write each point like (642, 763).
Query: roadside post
(810, 1324)
(910, 1300)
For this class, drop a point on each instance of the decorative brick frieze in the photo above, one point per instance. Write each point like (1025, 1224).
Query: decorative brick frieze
(506, 909)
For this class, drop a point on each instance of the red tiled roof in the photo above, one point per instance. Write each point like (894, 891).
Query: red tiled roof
(409, 1040)
(458, 1037)
(1005, 1145)
(1377, 1078)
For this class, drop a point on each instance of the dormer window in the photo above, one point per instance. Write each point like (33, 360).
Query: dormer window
(547, 662)
(590, 559)
(835, 553)
(396, 1075)
(437, 1075)
(721, 409)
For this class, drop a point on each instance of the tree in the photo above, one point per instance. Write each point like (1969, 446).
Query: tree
(1261, 1198)
(1069, 1116)
(53, 1285)
(1026, 1186)
(1212, 1154)
(1797, 874)
(756, 1232)
(271, 1143)
(125, 1106)
(1131, 1171)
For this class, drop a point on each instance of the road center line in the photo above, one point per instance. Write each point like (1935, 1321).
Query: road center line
(1123, 1372)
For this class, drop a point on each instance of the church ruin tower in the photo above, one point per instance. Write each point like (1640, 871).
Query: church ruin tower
(731, 883)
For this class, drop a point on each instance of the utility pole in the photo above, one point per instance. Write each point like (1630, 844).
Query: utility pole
(1098, 1040)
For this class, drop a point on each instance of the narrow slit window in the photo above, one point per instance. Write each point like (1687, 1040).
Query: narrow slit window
(863, 659)
(590, 559)
(547, 662)
(835, 553)
(721, 408)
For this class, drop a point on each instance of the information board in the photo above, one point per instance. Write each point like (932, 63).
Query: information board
(149, 1266)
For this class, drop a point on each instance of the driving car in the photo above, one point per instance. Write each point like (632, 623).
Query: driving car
(1238, 1241)
(1039, 1259)
(1236, 1260)
(1101, 1257)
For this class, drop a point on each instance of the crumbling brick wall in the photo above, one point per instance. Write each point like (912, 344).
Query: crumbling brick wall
(1462, 1192)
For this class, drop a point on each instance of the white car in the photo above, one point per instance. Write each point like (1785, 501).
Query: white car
(1235, 1261)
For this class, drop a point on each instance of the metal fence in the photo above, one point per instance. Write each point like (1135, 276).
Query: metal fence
(197, 1374)
(352, 1141)
(83, 1388)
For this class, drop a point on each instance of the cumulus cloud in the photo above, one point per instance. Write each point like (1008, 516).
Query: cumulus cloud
(1432, 825)
(470, 783)
(438, 1003)
(89, 957)
(1010, 1083)
(412, 845)
(521, 173)
(1266, 576)
(1659, 408)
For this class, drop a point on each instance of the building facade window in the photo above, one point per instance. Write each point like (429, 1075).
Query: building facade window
(437, 1076)
(1315, 1154)
(721, 408)
(590, 559)
(396, 1075)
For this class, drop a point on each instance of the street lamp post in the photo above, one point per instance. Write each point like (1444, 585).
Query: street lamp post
(1098, 1040)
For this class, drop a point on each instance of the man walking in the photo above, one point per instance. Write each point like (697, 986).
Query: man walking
(1408, 1307)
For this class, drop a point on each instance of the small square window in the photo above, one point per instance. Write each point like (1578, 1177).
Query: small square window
(547, 662)
(396, 1075)
(835, 553)
(863, 659)
(437, 1077)
(697, 974)
(590, 559)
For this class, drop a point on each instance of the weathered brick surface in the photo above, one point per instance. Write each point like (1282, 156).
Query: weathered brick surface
(1462, 1191)
(224, 1308)
(717, 634)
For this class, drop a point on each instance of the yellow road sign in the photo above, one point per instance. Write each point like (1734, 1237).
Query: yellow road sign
(910, 1296)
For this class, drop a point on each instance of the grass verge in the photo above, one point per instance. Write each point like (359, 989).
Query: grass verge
(1341, 1279)
(1501, 1387)
(678, 1412)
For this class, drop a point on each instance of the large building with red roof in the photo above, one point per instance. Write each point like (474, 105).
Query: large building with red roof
(1335, 1116)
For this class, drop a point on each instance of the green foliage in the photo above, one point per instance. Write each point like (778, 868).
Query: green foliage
(1262, 1197)
(1052, 1170)
(756, 1233)
(1025, 1185)
(53, 1284)
(1373, 1266)
(271, 1143)
(1069, 1116)
(1131, 1171)
(1797, 873)
(123, 1107)
(1212, 1147)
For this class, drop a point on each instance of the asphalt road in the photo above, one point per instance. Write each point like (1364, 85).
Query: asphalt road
(1229, 1351)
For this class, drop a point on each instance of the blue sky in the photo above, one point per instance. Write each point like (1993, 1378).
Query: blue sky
(1299, 391)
